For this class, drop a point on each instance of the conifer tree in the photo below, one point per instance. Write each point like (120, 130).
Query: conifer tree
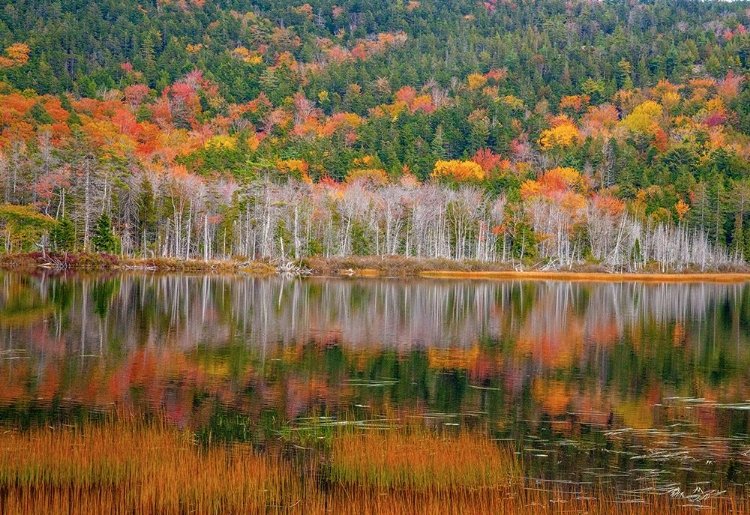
(104, 240)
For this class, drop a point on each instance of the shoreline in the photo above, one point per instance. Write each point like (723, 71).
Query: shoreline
(354, 266)
(614, 277)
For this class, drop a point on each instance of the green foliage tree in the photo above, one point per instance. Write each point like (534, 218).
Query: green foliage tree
(25, 226)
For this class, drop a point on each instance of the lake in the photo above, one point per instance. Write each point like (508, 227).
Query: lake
(641, 386)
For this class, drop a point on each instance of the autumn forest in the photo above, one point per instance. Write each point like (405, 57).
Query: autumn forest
(525, 132)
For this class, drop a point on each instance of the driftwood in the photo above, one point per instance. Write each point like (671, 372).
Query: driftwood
(290, 268)
(56, 263)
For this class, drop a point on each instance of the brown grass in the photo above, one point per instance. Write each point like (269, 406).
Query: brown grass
(399, 266)
(198, 266)
(68, 260)
(136, 469)
(421, 461)
(513, 501)
(107, 262)
(389, 266)
(718, 277)
(139, 468)
(360, 266)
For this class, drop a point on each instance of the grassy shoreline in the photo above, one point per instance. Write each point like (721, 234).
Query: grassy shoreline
(715, 277)
(360, 266)
(95, 262)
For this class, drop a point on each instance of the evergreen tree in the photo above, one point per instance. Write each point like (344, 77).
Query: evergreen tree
(438, 144)
(104, 239)
(63, 235)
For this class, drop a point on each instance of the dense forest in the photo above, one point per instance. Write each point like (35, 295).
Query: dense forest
(531, 132)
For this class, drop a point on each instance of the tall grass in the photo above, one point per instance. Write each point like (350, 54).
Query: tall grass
(150, 468)
(421, 461)
(137, 469)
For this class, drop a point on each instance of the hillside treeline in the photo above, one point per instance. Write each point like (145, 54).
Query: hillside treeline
(551, 133)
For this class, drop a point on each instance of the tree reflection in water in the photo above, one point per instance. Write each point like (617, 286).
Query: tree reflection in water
(620, 376)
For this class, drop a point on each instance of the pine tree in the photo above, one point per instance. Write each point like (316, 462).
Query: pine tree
(63, 235)
(104, 240)
(438, 144)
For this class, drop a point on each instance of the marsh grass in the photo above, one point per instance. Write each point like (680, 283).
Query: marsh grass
(580, 276)
(153, 468)
(422, 461)
(361, 266)
(223, 266)
(93, 261)
(137, 468)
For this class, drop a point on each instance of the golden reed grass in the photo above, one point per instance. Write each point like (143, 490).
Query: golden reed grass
(421, 460)
(590, 276)
(155, 469)
(136, 469)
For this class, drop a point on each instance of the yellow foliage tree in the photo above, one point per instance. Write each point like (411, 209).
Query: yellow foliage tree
(476, 81)
(670, 100)
(367, 176)
(296, 168)
(458, 170)
(644, 118)
(221, 142)
(563, 135)
(715, 105)
(513, 102)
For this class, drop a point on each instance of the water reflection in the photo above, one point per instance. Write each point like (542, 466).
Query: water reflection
(590, 380)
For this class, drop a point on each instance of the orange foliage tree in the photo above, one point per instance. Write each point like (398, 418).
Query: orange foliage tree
(16, 54)
(490, 161)
(556, 206)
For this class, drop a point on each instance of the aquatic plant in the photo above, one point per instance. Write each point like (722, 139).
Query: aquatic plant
(136, 468)
(139, 467)
(422, 461)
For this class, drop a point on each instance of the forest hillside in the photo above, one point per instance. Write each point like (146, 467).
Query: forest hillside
(541, 133)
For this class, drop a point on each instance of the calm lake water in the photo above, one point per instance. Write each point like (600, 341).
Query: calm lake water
(638, 385)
